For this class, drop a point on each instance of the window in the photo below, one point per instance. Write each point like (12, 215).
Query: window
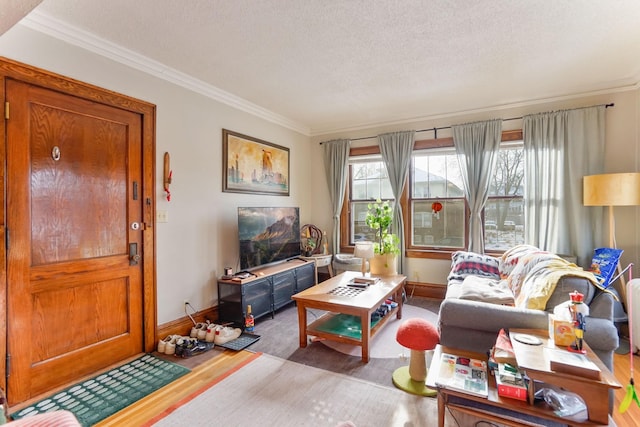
(504, 211)
(369, 182)
(436, 179)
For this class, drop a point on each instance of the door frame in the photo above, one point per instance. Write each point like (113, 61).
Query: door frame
(10, 69)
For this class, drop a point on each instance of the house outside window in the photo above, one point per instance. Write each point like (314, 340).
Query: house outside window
(436, 181)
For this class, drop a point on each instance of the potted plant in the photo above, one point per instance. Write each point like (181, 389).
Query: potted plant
(386, 244)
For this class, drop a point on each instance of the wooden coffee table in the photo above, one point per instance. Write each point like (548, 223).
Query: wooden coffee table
(512, 412)
(341, 301)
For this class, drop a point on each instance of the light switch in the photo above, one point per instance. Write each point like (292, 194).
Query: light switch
(162, 216)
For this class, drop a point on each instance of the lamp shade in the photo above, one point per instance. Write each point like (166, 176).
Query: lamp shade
(611, 189)
(363, 250)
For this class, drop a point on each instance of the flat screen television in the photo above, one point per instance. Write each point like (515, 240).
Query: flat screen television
(268, 235)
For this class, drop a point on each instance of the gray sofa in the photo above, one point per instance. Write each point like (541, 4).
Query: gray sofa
(474, 325)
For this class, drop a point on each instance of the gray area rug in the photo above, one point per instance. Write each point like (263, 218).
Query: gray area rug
(271, 391)
(279, 337)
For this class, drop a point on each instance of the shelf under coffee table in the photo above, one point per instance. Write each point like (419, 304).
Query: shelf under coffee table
(348, 317)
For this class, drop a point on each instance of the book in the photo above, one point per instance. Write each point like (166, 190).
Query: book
(367, 280)
(510, 384)
(463, 374)
(567, 362)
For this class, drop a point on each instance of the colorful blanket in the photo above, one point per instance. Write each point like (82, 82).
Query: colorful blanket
(532, 275)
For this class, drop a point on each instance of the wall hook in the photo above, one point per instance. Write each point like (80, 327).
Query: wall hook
(167, 175)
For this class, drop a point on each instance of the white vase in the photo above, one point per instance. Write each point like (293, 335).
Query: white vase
(383, 265)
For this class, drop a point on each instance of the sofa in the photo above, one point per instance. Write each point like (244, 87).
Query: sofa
(519, 290)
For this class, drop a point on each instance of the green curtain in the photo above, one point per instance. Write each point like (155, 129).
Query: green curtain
(561, 147)
(336, 157)
(396, 149)
(477, 145)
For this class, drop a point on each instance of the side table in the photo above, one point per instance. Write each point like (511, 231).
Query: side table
(321, 261)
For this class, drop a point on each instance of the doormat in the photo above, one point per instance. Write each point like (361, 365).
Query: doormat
(103, 395)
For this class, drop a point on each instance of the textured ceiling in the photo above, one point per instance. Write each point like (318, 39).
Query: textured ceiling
(328, 65)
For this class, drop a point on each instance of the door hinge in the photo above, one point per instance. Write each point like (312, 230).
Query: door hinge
(6, 110)
(6, 238)
(7, 365)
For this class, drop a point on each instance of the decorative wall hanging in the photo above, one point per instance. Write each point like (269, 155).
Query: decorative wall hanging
(251, 165)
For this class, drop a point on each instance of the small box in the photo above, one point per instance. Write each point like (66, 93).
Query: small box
(561, 331)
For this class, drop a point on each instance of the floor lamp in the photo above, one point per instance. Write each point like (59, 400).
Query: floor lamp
(612, 189)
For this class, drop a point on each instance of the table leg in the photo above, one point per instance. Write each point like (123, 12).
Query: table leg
(302, 324)
(398, 298)
(330, 268)
(440, 409)
(365, 325)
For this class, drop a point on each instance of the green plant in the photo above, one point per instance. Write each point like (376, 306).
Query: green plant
(379, 218)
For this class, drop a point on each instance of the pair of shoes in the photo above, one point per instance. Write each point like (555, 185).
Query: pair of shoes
(199, 330)
(224, 334)
(184, 342)
(167, 345)
(188, 347)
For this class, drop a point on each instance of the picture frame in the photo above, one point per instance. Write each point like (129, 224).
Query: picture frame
(251, 165)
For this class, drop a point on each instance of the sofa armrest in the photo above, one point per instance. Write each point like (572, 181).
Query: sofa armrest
(602, 306)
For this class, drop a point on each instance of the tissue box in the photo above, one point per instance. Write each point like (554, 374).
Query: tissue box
(561, 331)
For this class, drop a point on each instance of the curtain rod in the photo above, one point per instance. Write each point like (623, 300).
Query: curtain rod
(436, 129)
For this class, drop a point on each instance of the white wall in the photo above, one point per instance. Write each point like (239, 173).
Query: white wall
(200, 238)
(622, 155)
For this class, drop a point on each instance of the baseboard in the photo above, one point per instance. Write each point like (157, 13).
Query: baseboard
(183, 325)
(427, 290)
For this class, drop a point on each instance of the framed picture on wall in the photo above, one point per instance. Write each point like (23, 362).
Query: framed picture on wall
(251, 165)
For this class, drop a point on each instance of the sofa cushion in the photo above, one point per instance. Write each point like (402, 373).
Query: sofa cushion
(465, 264)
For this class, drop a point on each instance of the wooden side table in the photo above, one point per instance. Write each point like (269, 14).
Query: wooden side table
(321, 261)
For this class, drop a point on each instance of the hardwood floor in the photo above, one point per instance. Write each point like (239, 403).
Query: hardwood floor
(622, 363)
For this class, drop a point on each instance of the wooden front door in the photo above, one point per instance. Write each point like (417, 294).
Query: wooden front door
(75, 221)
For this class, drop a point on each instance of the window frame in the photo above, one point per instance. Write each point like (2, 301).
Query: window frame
(411, 251)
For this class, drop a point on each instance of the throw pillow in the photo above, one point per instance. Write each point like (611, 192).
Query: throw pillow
(465, 264)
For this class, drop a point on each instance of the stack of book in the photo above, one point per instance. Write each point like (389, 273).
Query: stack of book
(510, 382)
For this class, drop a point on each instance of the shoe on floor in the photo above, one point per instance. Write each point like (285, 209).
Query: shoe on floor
(199, 329)
(167, 345)
(224, 334)
(211, 332)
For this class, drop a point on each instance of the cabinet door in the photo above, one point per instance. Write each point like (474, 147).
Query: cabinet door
(284, 285)
(305, 277)
(258, 294)
(230, 303)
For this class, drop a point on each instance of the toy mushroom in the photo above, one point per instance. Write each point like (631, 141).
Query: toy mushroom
(418, 335)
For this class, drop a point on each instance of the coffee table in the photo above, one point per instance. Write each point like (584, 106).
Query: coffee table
(341, 302)
(514, 412)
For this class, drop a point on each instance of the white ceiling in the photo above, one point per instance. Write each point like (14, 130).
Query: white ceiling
(319, 66)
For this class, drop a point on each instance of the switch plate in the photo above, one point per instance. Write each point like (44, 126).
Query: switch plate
(162, 216)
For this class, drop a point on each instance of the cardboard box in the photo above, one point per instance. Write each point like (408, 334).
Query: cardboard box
(561, 331)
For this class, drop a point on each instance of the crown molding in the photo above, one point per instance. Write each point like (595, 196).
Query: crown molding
(61, 30)
(320, 132)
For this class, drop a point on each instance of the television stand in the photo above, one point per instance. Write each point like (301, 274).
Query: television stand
(267, 290)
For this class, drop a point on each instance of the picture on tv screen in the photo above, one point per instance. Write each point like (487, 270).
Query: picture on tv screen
(268, 235)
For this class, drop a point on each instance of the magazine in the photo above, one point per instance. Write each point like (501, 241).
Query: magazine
(463, 374)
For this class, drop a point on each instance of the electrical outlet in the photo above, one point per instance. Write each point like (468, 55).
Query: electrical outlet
(186, 302)
(416, 277)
